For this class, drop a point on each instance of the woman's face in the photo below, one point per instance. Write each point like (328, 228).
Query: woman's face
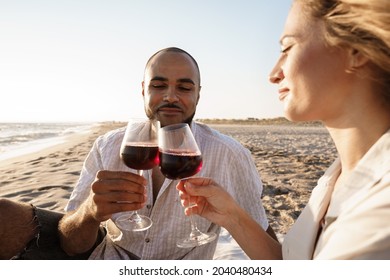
(311, 75)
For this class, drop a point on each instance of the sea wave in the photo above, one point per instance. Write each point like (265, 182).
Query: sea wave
(20, 138)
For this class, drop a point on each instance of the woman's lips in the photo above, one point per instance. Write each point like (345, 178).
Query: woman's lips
(283, 92)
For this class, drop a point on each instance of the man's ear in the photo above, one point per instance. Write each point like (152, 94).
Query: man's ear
(143, 88)
(200, 87)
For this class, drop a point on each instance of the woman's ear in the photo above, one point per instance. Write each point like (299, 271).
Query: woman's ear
(356, 59)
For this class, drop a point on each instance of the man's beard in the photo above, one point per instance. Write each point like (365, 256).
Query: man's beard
(153, 116)
(189, 119)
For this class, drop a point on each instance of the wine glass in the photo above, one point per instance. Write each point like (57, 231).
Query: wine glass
(181, 158)
(139, 150)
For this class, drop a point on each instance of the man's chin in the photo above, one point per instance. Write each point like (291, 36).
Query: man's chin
(166, 120)
(169, 121)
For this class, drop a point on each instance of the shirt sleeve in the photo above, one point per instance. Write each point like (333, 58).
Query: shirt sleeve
(247, 187)
(361, 231)
(91, 166)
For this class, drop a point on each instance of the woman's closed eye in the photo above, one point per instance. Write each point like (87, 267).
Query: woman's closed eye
(286, 49)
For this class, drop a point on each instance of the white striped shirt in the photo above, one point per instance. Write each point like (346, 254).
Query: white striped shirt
(225, 160)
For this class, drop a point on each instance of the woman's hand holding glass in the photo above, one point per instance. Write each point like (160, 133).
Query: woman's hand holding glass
(207, 198)
(180, 158)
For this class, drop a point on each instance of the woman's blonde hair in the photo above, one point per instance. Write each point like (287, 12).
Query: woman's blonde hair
(363, 25)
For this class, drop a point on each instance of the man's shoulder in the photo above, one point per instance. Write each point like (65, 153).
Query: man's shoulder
(210, 134)
(111, 136)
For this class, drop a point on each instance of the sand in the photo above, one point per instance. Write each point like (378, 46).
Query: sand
(290, 159)
(46, 178)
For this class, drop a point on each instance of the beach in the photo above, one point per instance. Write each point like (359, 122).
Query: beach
(46, 178)
(289, 158)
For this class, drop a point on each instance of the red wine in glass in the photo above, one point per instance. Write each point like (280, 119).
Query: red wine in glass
(178, 165)
(139, 151)
(140, 156)
(180, 158)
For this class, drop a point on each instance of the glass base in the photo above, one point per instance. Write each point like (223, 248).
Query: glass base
(134, 223)
(196, 238)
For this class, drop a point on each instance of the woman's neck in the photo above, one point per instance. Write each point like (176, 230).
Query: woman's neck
(355, 137)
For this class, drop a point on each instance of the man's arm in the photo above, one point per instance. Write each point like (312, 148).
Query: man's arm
(112, 192)
(78, 231)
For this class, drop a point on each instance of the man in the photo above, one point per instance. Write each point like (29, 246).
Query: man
(171, 91)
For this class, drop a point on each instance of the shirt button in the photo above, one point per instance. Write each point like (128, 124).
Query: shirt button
(147, 240)
(148, 206)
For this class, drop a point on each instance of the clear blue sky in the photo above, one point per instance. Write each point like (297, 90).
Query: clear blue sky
(83, 60)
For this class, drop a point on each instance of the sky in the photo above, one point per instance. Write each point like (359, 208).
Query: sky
(83, 60)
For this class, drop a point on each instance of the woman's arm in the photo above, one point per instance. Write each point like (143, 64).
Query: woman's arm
(215, 204)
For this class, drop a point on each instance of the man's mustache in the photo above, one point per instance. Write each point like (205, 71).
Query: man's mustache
(170, 106)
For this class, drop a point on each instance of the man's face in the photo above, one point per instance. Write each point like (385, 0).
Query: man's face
(171, 88)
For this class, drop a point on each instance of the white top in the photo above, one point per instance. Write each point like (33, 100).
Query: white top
(224, 159)
(354, 222)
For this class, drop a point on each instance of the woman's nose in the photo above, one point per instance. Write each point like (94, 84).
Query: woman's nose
(276, 75)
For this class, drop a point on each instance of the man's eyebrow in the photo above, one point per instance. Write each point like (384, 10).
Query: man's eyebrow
(182, 80)
(158, 78)
(186, 80)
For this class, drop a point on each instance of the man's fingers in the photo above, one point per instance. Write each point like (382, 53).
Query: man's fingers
(112, 175)
(116, 185)
(118, 197)
(112, 181)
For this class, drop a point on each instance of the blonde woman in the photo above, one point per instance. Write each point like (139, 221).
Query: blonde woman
(334, 67)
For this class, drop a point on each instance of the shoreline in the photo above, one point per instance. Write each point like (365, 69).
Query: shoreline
(46, 146)
(61, 134)
(46, 177)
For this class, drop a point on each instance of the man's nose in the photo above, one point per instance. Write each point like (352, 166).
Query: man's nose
(171, 95)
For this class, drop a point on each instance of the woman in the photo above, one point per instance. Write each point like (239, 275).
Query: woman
(334, 67)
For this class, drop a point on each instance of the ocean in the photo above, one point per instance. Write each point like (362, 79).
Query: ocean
(21, 138)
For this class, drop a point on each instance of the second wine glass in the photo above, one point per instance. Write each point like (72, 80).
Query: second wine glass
(139, 151)
(180, 158)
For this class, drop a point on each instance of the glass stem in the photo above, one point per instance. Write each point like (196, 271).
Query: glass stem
(194, 228)
(135, 217)
(193, 224)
